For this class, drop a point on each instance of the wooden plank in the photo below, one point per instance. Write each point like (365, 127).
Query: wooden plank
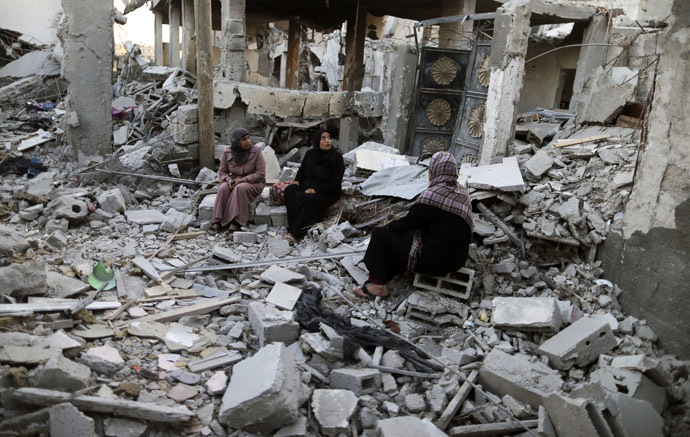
(192, 310)
(457, 401)
(54, 306)
(188, 235)
(574, 141)
(292, 67)
(204, 83)
(489, 429)
(493, 218)
(121, 407)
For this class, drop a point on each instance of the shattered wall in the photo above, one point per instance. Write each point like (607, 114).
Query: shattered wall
(542, 77)
(650, 259)
(87, 39)
(641, 10)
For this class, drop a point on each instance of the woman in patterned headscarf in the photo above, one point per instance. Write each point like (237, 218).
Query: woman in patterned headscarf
(433, 238)
(242, 176)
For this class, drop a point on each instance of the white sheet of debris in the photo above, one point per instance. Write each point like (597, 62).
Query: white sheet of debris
(404, 182)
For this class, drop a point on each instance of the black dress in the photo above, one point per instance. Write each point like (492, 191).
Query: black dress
(445, 243)
(322, 171)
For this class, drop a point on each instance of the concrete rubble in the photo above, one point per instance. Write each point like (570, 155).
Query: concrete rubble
(202, 335)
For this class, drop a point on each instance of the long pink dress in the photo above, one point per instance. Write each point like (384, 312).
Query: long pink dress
(233, 204)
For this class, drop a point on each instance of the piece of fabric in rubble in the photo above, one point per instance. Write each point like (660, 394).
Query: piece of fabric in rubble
(310, 315)
(20, 165)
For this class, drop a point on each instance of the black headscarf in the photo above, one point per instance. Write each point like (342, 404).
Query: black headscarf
(239, 155)
(323, 156)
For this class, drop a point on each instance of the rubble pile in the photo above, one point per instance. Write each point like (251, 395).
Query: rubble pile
(192, 334)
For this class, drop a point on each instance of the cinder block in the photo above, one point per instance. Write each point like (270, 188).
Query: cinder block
(358, 381)
(579, 344)
(206, 208)
(632, 383)
(435, 309)
(526, 313)
(244, 237)
(271, 324)
(263, 393)
(262, 215)
(279, 216)
(456, 284)
(518, 376)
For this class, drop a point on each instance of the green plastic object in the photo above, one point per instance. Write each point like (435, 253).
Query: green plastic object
(101, 275)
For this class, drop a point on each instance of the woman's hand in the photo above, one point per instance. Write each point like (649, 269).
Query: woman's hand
(310, 191)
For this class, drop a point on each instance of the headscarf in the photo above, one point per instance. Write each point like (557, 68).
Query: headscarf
(323, 157)
(444, 192)
(239, 155)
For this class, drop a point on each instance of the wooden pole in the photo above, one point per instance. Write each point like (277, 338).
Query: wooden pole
(188, 44)
(204, 70)
(292, 69)
(354, 49)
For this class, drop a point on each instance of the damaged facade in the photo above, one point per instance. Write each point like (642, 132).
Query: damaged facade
(121, 316)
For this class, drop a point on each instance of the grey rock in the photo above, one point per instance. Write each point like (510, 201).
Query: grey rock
(11, 242)
(67, 421)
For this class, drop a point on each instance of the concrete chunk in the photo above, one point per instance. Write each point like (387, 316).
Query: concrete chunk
(67, 421)
(284, 296)
(23, 279)
(112, 201)
(518, 376)
(271, 324)
(275, 274)
(408, 426)
(263, 393)
(539, 164)
(333, 410)
(119, 427)
(11, 242)
(61, 373)
(579, 344)
(103, 359)
(632, 383)
(636, 417)
(575, 417)
(358, 381)
(526, 313)
(144, 216)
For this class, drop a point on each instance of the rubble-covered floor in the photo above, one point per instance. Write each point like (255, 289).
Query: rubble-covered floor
(531, 325)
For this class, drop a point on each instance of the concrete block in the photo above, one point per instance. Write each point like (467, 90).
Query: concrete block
(182, 205)
(316, 105)
(263, 394)
(271, 324)
(61, 373)
(333, 410)
(393, 359)
(545, 427)
(579, 344)
(415, 403)
(278, 216)
(319, 344)
(637, 418)
(144, 216)
(456, 284)
(358, 381)
(23, 279)
(67, 421)
(408, 426)
(275, 274)
(632, 383)
(526, 313)
(112, 201)
(175, 221)
(186, 114)
(262, 214)
(102, 359)
(539, 164)
(651, 368)
(67, 207)
(11, 242)
(435, 309)
(244, 237)
(284, 296)
(57, 240)
(519, 376)
(184, 133)
(206, 208)
(575, 417)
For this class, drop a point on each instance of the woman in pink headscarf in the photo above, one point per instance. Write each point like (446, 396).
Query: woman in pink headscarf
(433, 238)
(242, 176)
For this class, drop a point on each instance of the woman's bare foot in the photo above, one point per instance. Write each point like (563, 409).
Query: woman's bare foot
(233, 227)
(371, 291)
(290, 238)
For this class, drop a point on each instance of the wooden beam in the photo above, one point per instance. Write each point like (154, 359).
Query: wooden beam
(489, 429)
(457, 401)
(177, 313)
(354, 49)
(188, 30)
(493, 218)
(120, 407)
(575, 141)
(54, 305)
(204, 69)
(292, 68)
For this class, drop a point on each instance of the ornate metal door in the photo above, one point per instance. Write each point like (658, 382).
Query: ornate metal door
(450, 94)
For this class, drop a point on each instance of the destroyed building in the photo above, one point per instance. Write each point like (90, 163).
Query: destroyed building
(121, 316)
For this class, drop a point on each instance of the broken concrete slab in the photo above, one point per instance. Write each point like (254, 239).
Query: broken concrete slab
(61, 373)
(11, 242)
(579, 344)
(23, 279)
(103, 359)
(263, 394)
(539, 164)
(358, 381)
(144, 216)
(519, 376)
(284, 296)
(112, 201)
(408, 426)
(651, 368)
(175, 221)
(275, 274)
(271, 324)
(637, 417)
(632, 383)
(504, 177)
(575, 417)
(67, 421)
(526, 313)
(333, 410)
(592, 108)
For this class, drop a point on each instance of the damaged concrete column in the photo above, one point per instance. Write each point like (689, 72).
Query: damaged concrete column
(87, 40)
(158, 37)
(511, 34)
(188, 29)
(591, 57)
(204, 69)
(233, 42)
(174, 15)
(456, 35)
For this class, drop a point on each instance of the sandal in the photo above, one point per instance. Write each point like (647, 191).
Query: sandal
(369, 294)
(232, 228)
(213, 230)
(290, 238)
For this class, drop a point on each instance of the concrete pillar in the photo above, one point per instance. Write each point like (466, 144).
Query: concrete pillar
(400, 70)
(456, 35)
(188, 44)
(591, 57)
(158, 36)
(233, 41)
(175, 15)
(204, 75)
(508, 50)
(292, 67)
(87, 65)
